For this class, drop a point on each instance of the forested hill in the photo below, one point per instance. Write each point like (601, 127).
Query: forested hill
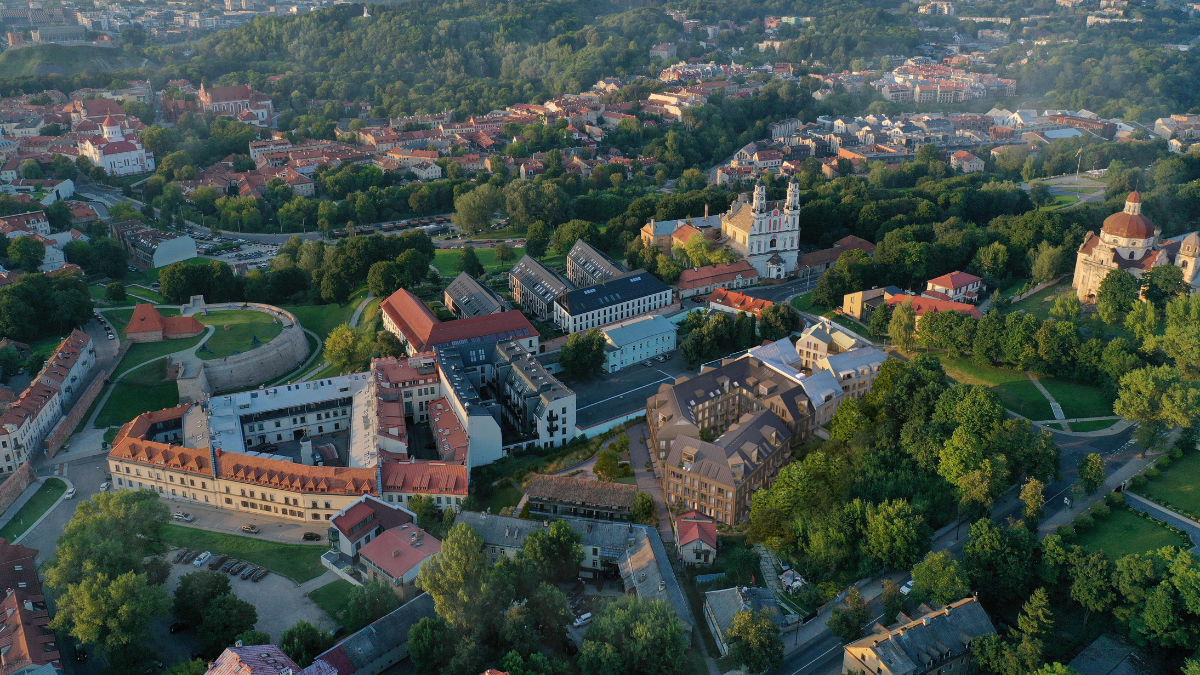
(475, 55)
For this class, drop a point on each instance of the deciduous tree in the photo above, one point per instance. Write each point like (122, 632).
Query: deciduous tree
(303, 642)
(754, 641)
(939, 578)
(369, 602)
(848, 619)
(1091, 472)
(554, 552)
(224, 619)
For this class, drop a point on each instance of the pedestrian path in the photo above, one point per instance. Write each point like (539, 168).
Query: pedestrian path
(1054, 406)
(1168, 516)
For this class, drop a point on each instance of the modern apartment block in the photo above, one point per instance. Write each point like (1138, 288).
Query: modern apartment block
(535, 286)
(588, 266)
(608, 302)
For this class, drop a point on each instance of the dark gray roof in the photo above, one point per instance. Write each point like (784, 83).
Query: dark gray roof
(500, 530)
(1111, 655)
(752, 440)
(636, 284)
(908, 646)
(594, 262)
(723, 604)
(374, 642)
(540, 280)
(473, 298)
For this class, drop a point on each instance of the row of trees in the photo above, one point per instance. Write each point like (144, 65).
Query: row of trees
(711, 335)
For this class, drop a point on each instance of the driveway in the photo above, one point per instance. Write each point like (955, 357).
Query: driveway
(610, 395)
(639, 456)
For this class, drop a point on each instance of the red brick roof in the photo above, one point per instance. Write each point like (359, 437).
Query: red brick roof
(716, 274)
(423, 331)
(924, 305)
(147, 319)
(394, 553)
(693, 525)
(739, 301)
(253, 660)
(953, 280)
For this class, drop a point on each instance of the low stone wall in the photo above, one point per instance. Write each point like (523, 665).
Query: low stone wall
(278, 357)
(12, 488)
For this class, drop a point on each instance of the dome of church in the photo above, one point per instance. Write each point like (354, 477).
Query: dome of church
(1130, 223)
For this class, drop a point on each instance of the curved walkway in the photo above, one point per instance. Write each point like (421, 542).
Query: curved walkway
(1170, 517)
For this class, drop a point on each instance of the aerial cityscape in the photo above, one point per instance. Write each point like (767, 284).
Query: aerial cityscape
(551, 337)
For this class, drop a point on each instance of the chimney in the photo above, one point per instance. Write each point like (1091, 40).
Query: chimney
(706, 211)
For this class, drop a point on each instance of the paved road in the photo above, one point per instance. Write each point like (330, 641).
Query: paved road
(782, 292)
(639, 455)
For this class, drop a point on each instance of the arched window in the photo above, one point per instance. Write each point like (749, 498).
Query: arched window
(1131, 255)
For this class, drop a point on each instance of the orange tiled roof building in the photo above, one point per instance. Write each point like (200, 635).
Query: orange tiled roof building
(148, 325)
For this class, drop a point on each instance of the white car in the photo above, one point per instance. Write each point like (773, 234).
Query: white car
(104, 487)
(907, 587)
(201, 559)
(69, 494)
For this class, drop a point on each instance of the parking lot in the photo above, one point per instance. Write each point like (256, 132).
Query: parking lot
(253, 253)
(611, 395)
(280, 602)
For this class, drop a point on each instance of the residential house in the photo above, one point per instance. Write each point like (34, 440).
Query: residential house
(966, 162)
(704, 280)
(535, 287)
(931, 641)
(955, 286)
(733, 302)
(395, 557)
(634, 341)
(579, 497)
(721, 606)
(695, 537)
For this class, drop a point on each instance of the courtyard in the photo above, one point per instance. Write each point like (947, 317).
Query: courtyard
(609, 395)
(237, 331)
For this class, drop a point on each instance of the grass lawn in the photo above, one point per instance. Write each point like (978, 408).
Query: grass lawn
(236, 329)
(1177, 486)
(627, 480)
(803, 303)
(145, 351)
(145, 294)
(446, 260)
(46, 346)
(1060, 202)
(39, 503)
(1040, 303)
(1094, 425)
(846, 322)
(294, 561)
(502, 497)
(97, 293)
(1056, 425)
(321, 319)
(1016, 391)
(145, 390)
(1124, 532)
(1077, 399)
(334, 599)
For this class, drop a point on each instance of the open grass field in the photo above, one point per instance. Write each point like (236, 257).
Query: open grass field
(146, 351)
(1040, 303)
(333, 599)
(1016, 391)
(1077, 399)
(146, 389)
(1177, 486)
(1124, 532)
(321, 319)
(1061, 202)
(446, 260)
(236, 331)
(145, 294)
(294, 561)
(41, 501)
(502, 497)
(1094, 425)
(803, 303)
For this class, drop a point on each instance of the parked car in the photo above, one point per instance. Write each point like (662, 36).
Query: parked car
(202, 558)
(187, 559)
(250, 529)
(237, 569)
(69, 494)
(112, 337)
(104, 486)
(583, 620)
(907, 587)
(185, 517)
(178, 627)
(228, 564)
(81, 654)
(311, 536)
(249, 571)
(181, 555)
(260, 575)
(217, 561)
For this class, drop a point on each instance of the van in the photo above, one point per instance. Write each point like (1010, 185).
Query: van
(583, 620)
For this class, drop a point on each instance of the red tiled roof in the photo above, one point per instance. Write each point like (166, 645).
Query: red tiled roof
(739, 301)
(394, 553)
(715, 274)
(829, 255)
(253, 660)
(147, 319)
(423, 331)
(953, 280)
(924, 305)
(430, 478)
(684, 233)
(693, 525)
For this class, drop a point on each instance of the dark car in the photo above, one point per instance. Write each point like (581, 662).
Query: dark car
(572, 649)
(178, 627)
(237, 569)
(229, 564)
(260, 575)
(179, 556)
(337, 632)
(81, 654)
(312, 536)
(215, 563)
(192, 555)
(249, 571)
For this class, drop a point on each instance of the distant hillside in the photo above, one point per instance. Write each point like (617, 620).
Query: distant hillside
(64, 60)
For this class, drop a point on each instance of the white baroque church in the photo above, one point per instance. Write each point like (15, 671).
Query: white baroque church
(765, 233)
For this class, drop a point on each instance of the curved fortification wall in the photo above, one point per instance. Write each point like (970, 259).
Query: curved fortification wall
(278, 357)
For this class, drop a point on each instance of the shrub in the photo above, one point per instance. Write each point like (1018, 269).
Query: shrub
(1115, 498)
(1175, 453)
(1100, 511)
(1083, 522)
(1066, 532)
(1163, 462)
(1152, 473)
(1138, 481)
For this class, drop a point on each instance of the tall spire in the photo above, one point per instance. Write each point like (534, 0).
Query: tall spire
(793, 196)
(760, 198)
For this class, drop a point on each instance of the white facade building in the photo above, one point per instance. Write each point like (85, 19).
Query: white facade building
(116, 153)
(615, 300)
(632, 342)
(766, 234)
